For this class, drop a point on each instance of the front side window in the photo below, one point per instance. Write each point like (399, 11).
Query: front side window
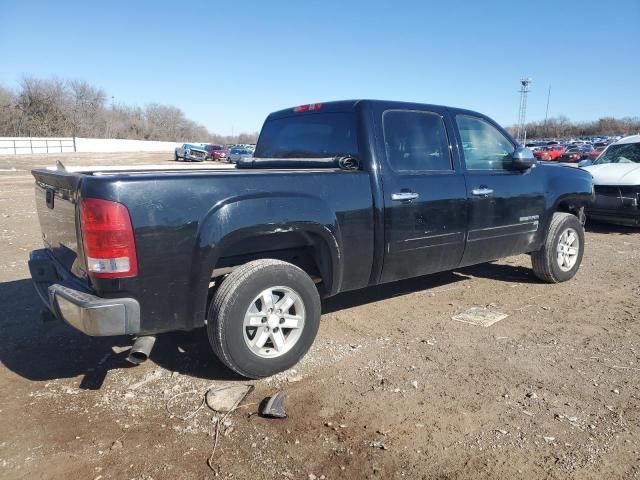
(484, 146)
(416, 141)
(622, 153)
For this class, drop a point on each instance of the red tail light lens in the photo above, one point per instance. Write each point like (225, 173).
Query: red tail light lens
(107, 233)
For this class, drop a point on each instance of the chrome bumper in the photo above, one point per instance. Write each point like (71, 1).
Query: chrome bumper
(93, 315)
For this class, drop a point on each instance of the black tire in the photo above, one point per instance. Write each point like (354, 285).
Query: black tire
(177, 157)
(230, 303)
(546, 265)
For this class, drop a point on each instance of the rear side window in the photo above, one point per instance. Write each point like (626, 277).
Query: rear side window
(315, 135)
(416, 141)
(484, 146)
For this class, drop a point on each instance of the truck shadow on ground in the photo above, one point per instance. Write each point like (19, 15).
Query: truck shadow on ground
(49, 350)
(42, 351)
(494, 271)
(597, 227)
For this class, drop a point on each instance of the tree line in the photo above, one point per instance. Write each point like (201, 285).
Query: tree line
(67, 108)
(562, 127)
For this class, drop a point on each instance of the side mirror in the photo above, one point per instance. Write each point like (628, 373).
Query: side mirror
(523, 159)
(585, 163)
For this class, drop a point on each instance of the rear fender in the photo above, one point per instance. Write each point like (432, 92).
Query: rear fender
(254, 216)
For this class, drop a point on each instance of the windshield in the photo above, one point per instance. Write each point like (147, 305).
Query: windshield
(625, 153)
(314, 135)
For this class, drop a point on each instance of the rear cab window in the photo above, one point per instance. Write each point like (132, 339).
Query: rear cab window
(313, 135)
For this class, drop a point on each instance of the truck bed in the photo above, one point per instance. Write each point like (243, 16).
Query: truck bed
(182, 218)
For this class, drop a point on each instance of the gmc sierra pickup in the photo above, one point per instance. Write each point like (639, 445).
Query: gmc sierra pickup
(337, 197)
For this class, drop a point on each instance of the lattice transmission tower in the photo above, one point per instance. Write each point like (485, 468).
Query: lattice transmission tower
(522, 113)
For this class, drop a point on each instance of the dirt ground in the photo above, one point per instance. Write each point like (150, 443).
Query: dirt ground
(393, 387)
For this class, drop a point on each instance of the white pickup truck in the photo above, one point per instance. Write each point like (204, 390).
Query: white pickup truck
(190, 153)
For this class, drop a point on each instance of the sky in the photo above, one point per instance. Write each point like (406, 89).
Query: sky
(227, 64)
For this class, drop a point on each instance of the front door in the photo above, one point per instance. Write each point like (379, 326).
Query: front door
(505, 205)
(424, 196)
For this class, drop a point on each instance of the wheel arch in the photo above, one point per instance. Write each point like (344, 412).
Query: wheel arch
(297, 228)
(571, 204)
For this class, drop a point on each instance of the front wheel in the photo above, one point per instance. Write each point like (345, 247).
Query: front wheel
(561, 255)
(263, 318)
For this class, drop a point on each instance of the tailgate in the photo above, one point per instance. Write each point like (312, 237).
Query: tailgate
(56, 195)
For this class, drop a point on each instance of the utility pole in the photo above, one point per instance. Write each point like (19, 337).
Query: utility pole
(110, 118)
(546, 113)
(522, 113)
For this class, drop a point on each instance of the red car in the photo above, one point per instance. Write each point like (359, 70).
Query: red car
(550, 152)
(596, 153)
(577, 153)
(216, 152)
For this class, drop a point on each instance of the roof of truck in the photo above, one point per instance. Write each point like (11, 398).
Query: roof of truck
(349, 105)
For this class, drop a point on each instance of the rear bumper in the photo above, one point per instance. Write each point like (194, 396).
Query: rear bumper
(73, 303)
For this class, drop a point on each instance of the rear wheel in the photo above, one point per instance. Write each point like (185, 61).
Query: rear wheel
(561, 255)
(263, 318)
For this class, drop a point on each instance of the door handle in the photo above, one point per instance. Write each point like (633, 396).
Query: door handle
(404, 196)
(482, 191)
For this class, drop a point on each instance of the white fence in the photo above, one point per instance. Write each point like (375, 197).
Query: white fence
(32, 145)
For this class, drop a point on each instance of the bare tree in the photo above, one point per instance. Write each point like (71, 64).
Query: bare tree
(56, 107)
(86, 108)
(42, 106)
(9, 114)
(562, 127)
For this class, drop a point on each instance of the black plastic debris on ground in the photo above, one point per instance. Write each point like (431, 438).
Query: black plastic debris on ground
(273, 407)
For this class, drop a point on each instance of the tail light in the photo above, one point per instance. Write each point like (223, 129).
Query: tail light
(308, 108)
(107, 233)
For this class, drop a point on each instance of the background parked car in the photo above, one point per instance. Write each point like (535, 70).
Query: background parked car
(575, 154)
(550, 153)
(616, 182)
(535, 146)
(596, 152)
(216, 152)
(190, 153)
(236, 154)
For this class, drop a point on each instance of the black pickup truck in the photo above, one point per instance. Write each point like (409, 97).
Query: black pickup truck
(338, 196)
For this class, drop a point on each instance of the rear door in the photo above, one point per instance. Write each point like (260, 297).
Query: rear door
(505, 205)
(424, 195)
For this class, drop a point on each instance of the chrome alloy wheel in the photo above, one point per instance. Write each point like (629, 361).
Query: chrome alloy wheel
(568, 249)
(274, 322)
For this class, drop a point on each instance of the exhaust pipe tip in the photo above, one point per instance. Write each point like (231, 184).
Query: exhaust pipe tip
(141, 350)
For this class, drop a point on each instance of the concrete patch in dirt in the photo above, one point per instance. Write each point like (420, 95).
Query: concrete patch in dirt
(226, 398)
(479, 316)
